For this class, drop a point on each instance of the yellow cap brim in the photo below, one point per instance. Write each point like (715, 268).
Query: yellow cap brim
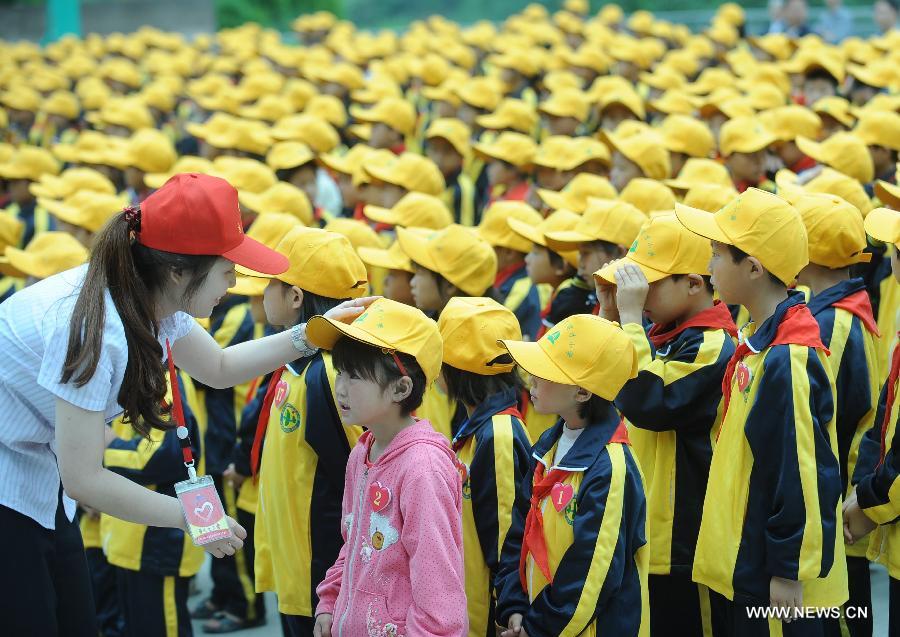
(414, 247)
(888, 193)
(701, 222)
(556, 200)
(607, 274)
(566, 240)
(7, 269)
(324, 333)
(676, 184)
(811, 149)
(253, 273)
(380, 215)
(533, 359)
(337, 164)
(880, 224)
(383, 258)
(527, 231)
(249, 285)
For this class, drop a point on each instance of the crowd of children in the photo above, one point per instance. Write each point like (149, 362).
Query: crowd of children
(634, 369)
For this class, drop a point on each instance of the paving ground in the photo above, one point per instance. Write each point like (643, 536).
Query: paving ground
(273, 627)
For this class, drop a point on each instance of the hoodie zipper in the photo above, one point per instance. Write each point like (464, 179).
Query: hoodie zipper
(351, 557)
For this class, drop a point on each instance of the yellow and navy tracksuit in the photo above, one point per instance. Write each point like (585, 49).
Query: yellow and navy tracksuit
(444, 414)
(673, 412)
(774, 494)
(10, 285)
(884, 292)
(103, 577)
(519, 293)
(301, 484)
(462, 199)
(594, 538)
(37, 220)
(492, 455)
(153, 564)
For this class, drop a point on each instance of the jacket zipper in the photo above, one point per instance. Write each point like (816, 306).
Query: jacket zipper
(357, 516)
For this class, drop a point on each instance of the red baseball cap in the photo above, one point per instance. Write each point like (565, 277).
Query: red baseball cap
(198, 214)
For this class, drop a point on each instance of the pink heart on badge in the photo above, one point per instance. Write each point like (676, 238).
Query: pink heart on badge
(379, 496)
(204, 512)
(281, 393)
(561, 494)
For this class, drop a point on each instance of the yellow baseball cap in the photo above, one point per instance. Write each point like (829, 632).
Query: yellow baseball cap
(11, 231)
(623, 96)
(587, 149)
(700, 171)
(648, 195)
(48, 253)
(457, 253)
(62, 103)
(882, 224)
(328, 107)
(29, 162)
(556, 221)
(674, 102)
(348, 163)
(454, 131)
(321, 262)
(879, 73)
(496, 231)
(184, 164)
(471, 328)
(269, 229)
(514, 148)
(560, 152)
(744, 135)
(511, 113)
(582, 350)
(480, 92)
(688, 135)
(574, 196)
(395, 112)
(845, 152)
(834, 227)
(835, 107)
(85, 208)
(289, 155)
(663, 247)
(280, 197)
(787, 123)
(761, 224)
(608, 220)
(269, 108)
(410, 171)
(879, 128)
(129, 112)
(358, 232)
(888, 193)
(71, 181)
(646, 149)
(414, 209)
(709, 197)
(312, 130)
(392, 258)
(566, 103)
(244, 173)
(389, 325)
(149, 150)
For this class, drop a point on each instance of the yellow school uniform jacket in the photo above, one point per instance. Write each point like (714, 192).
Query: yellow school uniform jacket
(157, 464)
(461, 198)
(595, 543)
(445, 415)
(878, 489)
(10, 285)
(849, 332)
(36, 219)
(301, 485)
(492, 456)
(673, 410)
(774, 494)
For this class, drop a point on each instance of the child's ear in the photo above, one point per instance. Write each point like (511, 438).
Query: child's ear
(296, 296)
(696, 284)
(582, 395)
(756, 268)
(402, 388)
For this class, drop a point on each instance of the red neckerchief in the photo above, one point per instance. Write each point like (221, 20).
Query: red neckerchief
(518, 192)
(399, 149)
(715, 317)
(889, 402)
(504, 274)
(805, 163)
(358, 212)
(263, 421)
(741, 185)
(859, 305)
(533, 540)
(798, 327)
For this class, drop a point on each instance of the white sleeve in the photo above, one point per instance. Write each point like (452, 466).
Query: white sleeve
(174, 327)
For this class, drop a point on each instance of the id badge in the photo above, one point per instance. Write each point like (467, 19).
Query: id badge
(203, 511)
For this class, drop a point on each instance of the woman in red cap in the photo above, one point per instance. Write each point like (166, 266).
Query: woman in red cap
(82, 347)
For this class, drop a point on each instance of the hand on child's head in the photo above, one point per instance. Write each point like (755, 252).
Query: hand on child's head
(347, 311)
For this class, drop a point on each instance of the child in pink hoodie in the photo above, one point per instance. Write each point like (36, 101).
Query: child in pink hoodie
(400, 570)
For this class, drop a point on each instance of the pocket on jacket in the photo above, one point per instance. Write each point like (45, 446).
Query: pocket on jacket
(373, 608)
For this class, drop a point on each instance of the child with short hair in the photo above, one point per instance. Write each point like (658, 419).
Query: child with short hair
(777, 445)
(492, 447)
(400, 570)
(743, 142)
(574, 561)
(672, 406)
(508, 165)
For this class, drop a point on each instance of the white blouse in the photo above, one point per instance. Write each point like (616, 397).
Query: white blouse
(34, 336)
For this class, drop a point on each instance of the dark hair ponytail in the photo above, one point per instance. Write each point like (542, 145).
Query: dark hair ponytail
(134, 275)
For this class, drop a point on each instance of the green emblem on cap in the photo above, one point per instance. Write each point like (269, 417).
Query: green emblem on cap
(634, 246)
(553, 337)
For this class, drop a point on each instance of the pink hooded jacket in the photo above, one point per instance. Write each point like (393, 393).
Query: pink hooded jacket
(400, 571)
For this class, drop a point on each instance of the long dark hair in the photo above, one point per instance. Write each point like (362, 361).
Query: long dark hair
(134, 274)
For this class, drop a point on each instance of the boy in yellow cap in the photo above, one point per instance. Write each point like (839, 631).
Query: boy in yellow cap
(393, 121)
(636, 156)
(672, 406)
(575, 560)
(26, 166)
(512, 286)
(492, 447)
(841, 307)
(509, 160)
(880, 130)
(342, 169)
(777, 444)
(743, 144)
(565, 112)
(873, 503)
(447, 145)
(787, 124)
(300, 468)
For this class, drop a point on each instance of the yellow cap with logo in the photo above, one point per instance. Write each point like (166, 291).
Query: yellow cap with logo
(513, 148)
(647, 150)
(709, 197)
(414, 209)
(394, 112)
(456, 253)
(389, 325)
(454, 131)
(392, 258)
(281, 197)
(48, 253)
(834, 227)
(648, 195)
(496, 231)
(608, 220)
(663, 247)
(556, 221)
(574, 196)
(289, 155)
(471, 328)
(512, 113)
(744, 135)
(761, 224)
(85, 209)
(685, 134)
(269, 229)
(582, 350)
(321, 262)
(410, 171)
(698, 171)
(845, 152)
(883, 224)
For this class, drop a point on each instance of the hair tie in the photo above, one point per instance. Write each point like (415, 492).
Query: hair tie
(132, 217)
